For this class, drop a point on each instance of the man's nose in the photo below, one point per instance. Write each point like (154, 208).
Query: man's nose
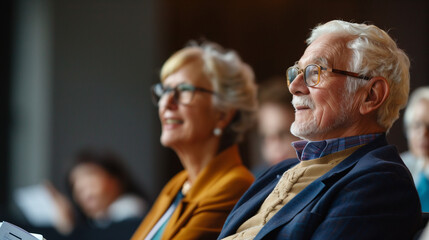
(298, 86)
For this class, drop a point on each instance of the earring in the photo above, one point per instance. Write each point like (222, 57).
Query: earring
(217, 131)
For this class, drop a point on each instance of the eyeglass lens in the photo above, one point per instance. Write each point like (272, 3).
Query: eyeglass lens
(311, 74)
(182, 93)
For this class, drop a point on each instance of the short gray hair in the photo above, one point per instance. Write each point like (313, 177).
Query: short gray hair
(421, 93)
(374, 53)
(231, 78)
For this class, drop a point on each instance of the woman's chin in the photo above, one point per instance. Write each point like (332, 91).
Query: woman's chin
(167, 141)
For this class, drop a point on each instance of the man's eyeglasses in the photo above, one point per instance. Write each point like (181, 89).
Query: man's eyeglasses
(312, 74)
(182, 93)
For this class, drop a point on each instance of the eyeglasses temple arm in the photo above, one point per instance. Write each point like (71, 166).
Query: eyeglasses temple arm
(347, 73)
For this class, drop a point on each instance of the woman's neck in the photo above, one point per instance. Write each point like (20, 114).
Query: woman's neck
(194, 157)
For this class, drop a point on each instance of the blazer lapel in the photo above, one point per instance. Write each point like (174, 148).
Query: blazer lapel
(163, 203)
(247, 210)
(252, 200)
(180, 217)
(291, 209)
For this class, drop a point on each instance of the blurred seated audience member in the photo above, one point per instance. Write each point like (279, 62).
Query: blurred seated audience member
(206, 100)
(416, 122)
(275, 116)
(110, 204)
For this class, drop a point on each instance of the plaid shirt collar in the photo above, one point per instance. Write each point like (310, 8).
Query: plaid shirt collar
(307, 150)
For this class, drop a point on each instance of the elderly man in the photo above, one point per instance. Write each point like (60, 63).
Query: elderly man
(347, 182)
(416, 119)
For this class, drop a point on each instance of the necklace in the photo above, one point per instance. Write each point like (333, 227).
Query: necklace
(186, 186)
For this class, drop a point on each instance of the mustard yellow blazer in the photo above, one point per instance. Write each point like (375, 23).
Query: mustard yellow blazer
(203, 210)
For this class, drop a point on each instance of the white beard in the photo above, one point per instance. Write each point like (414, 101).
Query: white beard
(309, 128)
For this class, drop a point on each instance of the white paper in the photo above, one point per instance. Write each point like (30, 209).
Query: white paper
(38, 236)
(9, 231)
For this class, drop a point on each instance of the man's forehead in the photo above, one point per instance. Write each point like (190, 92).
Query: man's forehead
(328, 50)
(322, 61)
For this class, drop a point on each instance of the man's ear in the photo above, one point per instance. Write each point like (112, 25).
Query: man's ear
(375, 95)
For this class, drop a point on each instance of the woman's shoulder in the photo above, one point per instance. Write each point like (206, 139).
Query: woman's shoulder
(239, 173)
(230, 185)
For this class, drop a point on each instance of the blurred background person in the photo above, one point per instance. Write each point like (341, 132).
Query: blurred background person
(106, 202)
(206, 100)
(416, 122)
(275, 116)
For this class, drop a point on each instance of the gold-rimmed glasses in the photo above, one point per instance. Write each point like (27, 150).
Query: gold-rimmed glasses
(312, 74)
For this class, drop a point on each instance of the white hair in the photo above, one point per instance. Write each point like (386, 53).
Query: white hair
(374, 53)
(421, 93)
(231, 78)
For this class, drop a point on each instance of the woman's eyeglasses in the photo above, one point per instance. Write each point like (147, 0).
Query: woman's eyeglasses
(182, 93)
(312, 74)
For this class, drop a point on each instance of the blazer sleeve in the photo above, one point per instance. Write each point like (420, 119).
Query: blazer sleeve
(377, 205)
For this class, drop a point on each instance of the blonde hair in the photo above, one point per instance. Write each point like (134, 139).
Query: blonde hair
(231, 78)
(374, 53)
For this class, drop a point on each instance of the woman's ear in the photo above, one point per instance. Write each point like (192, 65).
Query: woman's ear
(225, 117)
(374, 95)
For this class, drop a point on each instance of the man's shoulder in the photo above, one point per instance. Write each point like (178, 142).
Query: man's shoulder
(382, 159)
(376, 151)
(385, 154)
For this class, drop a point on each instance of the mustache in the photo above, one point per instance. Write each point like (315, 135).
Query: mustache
(303, 101)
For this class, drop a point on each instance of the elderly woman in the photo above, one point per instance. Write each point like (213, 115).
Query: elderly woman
(206, 100)
(416, 122)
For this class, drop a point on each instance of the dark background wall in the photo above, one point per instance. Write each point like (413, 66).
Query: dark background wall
(105, 54)
(5, 74)
(104, 64)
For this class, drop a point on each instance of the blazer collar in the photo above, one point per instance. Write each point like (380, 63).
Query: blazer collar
(342, 168)
(214, 170)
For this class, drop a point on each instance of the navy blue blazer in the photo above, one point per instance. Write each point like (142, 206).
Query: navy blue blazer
(369, 195)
